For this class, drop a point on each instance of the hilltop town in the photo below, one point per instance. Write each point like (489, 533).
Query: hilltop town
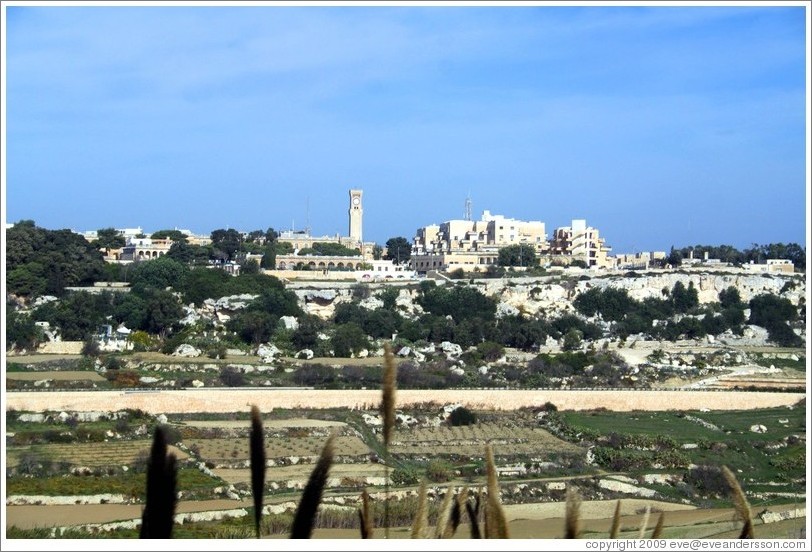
(500, 336)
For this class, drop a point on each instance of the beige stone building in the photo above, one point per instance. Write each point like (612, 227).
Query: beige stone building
(473, 244)
(144, 249)
(783, 266)
(579, 242)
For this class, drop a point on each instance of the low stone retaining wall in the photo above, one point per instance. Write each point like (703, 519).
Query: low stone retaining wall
(237, 400)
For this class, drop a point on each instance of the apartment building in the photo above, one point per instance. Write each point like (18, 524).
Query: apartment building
(579, 242)
(471, 244)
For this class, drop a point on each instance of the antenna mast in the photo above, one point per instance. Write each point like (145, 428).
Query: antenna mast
(468, 207)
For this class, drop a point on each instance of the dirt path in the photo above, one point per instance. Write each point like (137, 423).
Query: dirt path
(236, 400)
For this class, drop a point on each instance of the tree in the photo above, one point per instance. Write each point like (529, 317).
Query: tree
(175, 235)
(461, 416)
(205, 283)
(109, 238)
(684, 299)
(348, 339)
(159, 273)
(253, 327)
(21, 331)
(190, 254)
(572, 340)
(271, 235)
(268, 261)
(306, 336)
(226, 243)
(674, 257)
(730, 298)
(398, 249)
(249, 267)
(163, 310)
(517, 255)
(40, 261)
(329, 249)
(377, 252)
(78, 315)
(131, 311)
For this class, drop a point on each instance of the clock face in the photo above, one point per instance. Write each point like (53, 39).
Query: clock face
(356, 201)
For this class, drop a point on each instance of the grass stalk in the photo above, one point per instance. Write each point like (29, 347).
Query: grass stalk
(613, 533)
(305, 517)
(159, 511)
(444, 515)
(644, 523)
(257, 460)
(658, 529)
(473, 515)
(388, 414)
(495, 521)
(740, 503)
(572, 522)
(421, 519)
(365, 516)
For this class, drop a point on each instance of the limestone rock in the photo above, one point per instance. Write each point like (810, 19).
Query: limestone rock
(306, 354)
(267, 352)
(290, 322)
(186, 350)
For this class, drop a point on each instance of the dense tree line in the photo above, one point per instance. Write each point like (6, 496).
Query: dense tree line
(678, 314)
(45, 262)
(330, 249)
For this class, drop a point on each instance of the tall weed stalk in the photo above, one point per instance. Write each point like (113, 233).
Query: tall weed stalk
(159, 512)
(257, 459)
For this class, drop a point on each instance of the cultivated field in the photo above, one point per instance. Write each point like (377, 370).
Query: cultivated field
(468, 440)
(232, 450)
(120, 453)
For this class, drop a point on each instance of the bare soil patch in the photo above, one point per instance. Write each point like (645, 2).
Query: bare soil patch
(29, 517)
(302, 472)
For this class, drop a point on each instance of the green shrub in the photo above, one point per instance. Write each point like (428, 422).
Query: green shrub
(461, 416)
(439, 471)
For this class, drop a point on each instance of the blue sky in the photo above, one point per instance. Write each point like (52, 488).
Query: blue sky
(660, 125)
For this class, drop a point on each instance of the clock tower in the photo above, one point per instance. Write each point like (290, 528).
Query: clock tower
(356, 215)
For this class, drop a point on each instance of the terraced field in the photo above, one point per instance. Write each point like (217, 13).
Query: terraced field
(468, 440)
(221, 451)
(118, 453)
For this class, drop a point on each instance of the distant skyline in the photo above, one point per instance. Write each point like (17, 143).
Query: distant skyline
(660, 125)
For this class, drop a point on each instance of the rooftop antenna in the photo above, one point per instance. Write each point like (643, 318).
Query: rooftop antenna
(468, 207)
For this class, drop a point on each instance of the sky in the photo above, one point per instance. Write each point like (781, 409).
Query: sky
(660, 125)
